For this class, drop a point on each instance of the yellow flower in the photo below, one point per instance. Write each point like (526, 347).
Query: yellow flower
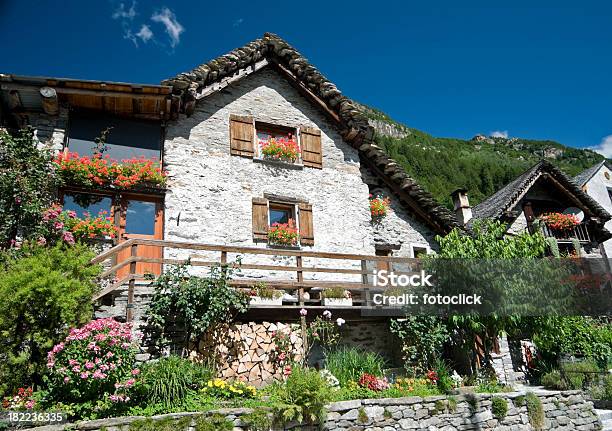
(210, 384)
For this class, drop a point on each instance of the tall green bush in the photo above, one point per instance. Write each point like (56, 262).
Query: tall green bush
(43, 292)
(199, 304)
(27, 185)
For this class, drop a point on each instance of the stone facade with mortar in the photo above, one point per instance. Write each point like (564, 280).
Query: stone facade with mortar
(562, 411)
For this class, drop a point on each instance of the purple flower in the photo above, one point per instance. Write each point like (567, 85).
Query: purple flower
(89, 365)
(327, 314)
(58, 225)
(41, 241)
(303, 312)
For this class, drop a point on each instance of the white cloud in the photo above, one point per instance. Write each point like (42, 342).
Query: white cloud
(499, 134)
(122, 13)
(145, 34)
(173, 27)
(238, 22)
(605, 146)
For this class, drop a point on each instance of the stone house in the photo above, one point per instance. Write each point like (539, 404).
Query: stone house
(208, 128)
(542, 189)
(596, 181)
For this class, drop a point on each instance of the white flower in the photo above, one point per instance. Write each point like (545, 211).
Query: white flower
(303, 312)
(327, 314)
(340, 321)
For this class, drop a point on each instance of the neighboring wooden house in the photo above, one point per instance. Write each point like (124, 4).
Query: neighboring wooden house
(542, 189)
(207, 127)
(597, 183)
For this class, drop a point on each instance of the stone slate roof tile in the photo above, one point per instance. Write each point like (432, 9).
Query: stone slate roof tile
(583, 177)
(353, 125)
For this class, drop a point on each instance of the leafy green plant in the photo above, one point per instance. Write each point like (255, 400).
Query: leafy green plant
(603, 391)
(362, 416)
(444, 382)
(165, 424)
(260, 419)
(499, 407)
(169, 380)
(535, 411)
(579, 375)
(303, 397)
(553, 380)
(422, 338)
(198, 304)
(440, 406)
(452, 404)
(350, 363)
(519, 401)
(27, 185)
(336, 292)
(262, 290)
(43, 292)
(214, 422)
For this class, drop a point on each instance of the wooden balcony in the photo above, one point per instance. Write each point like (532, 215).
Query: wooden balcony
(301, 275)
(580, 233)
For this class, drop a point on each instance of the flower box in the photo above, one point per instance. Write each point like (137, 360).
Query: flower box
(379, 206)
(338, 302)
(281, 148)
(284, 234)
(257, 300)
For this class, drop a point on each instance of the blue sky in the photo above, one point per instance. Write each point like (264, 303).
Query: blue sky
(451, 68)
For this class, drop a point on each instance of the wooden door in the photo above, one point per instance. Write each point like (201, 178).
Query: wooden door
(141, 217)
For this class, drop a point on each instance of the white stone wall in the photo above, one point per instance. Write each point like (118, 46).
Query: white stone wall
(210, 192)
(597, 187)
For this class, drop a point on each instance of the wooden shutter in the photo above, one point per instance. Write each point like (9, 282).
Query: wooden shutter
(260, 219)
(242, 133)
(310, 139)
(306, 228)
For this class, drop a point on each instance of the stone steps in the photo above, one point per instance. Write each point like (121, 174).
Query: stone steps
(606, 419)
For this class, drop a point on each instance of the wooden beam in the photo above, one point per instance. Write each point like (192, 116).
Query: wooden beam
(49, 101)
(85, 92)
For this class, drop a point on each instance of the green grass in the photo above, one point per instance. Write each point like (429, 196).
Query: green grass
(349, 363)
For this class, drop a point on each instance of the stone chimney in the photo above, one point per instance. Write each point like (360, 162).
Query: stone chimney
(461, 204)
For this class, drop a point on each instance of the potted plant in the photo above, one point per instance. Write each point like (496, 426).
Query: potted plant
(560, 221)
(284, 234)
(283, 148)
(379, 206)
(337, 297)
(262, 294)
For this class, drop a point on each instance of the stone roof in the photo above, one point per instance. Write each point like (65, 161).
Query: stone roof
(508, 196)
(583, 177)
(352, 124)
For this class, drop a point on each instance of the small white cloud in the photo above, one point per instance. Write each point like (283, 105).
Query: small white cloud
(130, 36)
(145, 34)
(499, 134)
(122, 13)
(173, 27)
(605, 146)
(238, 22)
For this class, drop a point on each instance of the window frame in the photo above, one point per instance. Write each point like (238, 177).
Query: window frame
(293, 207)
(279, 129)
(90, 112)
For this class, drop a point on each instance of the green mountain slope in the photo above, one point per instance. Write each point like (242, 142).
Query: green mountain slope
(482, 165)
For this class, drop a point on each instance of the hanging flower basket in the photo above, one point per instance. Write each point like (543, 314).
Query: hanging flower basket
(285, 234)
(560, 221)
(283, 148)
(102, 171)
(379, 206)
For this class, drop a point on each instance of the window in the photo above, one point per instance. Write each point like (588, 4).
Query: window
(277, 143)
(266, 213)
(420, 251)
(127, 138)
(82, 203)
(140, 217)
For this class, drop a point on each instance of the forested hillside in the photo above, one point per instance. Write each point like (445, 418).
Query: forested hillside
(482, 165)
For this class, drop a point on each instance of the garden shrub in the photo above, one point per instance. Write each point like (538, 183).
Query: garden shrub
(553, 380)
(423, 338)
(95, 362)
(535, 411)
(168, 380)
(303, 397)
(499, 407)
(199, 304)
(579, 375)
(350, 363)
(260, 419)
(603, 391)
(27, 185)
(444, 380)
(43, 292)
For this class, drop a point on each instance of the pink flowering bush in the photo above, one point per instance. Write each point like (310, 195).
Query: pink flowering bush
(94, 362)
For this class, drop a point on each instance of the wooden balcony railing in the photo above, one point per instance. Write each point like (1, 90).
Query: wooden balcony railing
(580, 233)
(295, 271)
